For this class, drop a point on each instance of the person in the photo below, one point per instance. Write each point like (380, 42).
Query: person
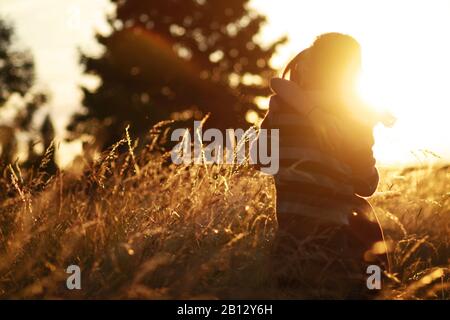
(327, 167)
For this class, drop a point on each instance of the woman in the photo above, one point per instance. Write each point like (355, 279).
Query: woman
(326, 168)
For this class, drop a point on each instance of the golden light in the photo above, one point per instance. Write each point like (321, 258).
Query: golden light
(406, 64)
(252, 117)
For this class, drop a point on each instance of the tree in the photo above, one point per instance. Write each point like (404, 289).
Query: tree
(177, 59)
(16, 67)
(17, 78)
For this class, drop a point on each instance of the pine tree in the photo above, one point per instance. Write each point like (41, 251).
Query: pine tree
(178, 59)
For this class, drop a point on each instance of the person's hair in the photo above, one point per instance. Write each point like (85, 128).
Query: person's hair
(333, 61)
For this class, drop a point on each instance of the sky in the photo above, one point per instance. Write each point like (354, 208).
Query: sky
(54, 30)
(406, 50)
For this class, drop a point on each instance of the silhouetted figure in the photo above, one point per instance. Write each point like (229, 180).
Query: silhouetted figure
(326, 168)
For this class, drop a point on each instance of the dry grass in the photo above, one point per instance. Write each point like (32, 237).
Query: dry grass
(140, 228)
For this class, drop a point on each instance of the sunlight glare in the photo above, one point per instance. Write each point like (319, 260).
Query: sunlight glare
(406, 65)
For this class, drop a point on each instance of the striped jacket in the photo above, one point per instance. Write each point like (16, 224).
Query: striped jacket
(326, 162)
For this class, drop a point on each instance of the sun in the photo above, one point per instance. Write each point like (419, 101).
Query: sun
(406, 65)
(371, 92)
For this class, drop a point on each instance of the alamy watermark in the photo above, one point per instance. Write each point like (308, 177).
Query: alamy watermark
(373, 281)
(237, 147)
(73, 281)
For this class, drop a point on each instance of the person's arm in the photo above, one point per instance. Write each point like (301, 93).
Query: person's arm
(365, 180)
(360, 157)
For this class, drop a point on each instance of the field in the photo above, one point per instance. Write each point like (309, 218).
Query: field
(141, 228)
